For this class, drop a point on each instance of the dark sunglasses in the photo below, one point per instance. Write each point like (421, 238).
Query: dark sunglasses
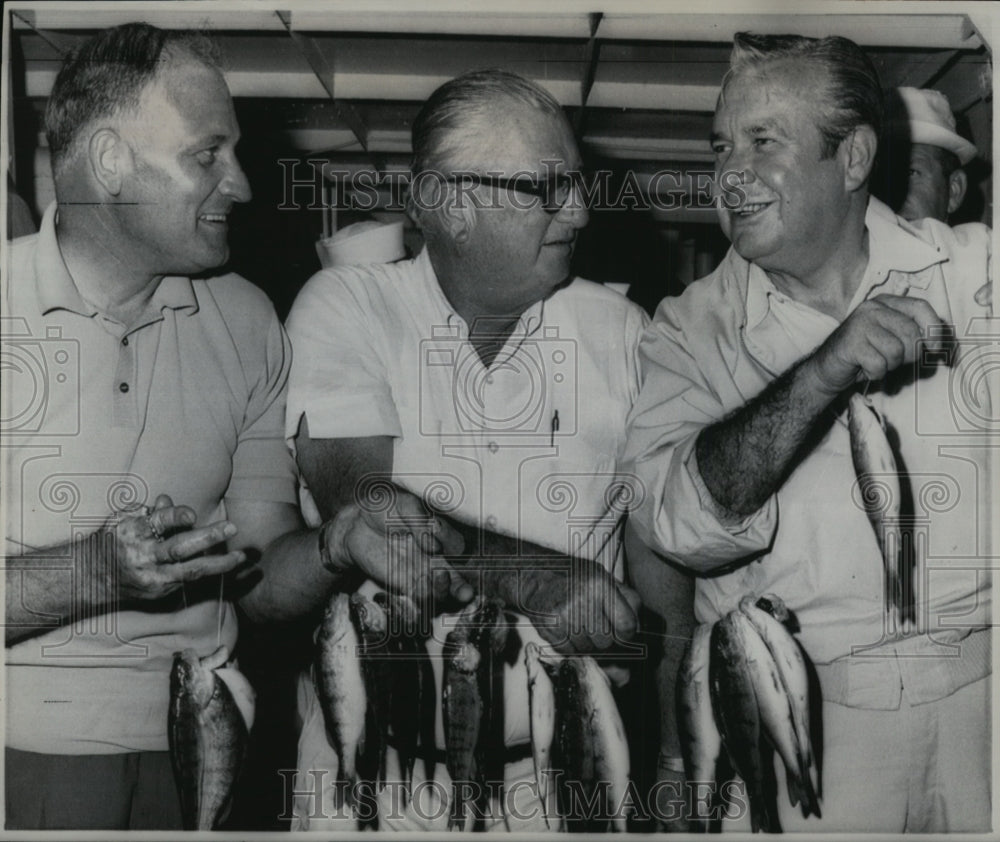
(554, 192)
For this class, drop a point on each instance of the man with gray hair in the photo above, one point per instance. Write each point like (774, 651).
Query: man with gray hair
(482, 368)
(139, 378)
(740, 437)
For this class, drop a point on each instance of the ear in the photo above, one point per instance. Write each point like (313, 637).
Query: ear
(858, 150)
(958, 183)
(458, 214)
(110, 158)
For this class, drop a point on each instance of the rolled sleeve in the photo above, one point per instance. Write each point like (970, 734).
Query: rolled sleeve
(338, 378)
(677, 514)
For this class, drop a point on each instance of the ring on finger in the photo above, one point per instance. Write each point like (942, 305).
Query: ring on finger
(153, 528)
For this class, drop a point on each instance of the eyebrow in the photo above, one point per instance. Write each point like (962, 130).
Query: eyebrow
(764, 126)
(212, 140)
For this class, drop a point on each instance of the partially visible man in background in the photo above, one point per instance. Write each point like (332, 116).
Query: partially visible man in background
(937, 181)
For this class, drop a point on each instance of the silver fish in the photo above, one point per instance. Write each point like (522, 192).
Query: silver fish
(734, 700)
(341, 688)
(208, 729)
(701, 742)
(590, 745)
(879, 484)
(787, 703)
(542, 715)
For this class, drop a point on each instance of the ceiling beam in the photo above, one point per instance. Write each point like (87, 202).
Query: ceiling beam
(324, 73)
(943, 31)
(591, 56)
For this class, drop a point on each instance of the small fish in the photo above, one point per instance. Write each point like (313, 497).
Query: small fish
(371, 622)
(737, 713)
(341, 688)
(412, 701)
(800, 763)
(590, 747)
(208, 729)
(463, 705)
(879, 484)
(542, 714)
(701, 742)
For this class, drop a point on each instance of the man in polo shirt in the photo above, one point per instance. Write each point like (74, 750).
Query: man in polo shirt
(143, 439)
(481, 376)
(740, 437)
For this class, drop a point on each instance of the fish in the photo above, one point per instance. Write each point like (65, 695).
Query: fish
(701, 742)
(879, 484)
(462, 710)
(793, 687)
(473, 705)
(542, 713)
(372, 624)
(208, 729)
(412, 705)
(590, 747)
(341, 688)
(737, 712)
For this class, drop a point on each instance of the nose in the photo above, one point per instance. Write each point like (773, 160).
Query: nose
(574, 212)
(730, 178)
(235, 184)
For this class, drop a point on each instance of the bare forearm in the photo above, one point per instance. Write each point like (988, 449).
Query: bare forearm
(745, 458)
(46, 588)
(294, 579)
(667, 594)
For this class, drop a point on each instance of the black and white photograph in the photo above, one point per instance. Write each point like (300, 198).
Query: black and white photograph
(446, 418)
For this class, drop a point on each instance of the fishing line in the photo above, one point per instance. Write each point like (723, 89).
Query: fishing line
(218, 634)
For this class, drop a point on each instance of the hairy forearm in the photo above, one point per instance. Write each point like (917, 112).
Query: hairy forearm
(48, 587)
(744, 458)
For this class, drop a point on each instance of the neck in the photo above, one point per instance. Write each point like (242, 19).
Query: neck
(830, 282)
(488, 331)
(92, 250)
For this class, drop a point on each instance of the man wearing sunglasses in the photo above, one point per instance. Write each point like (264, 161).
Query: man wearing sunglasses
(484, 383)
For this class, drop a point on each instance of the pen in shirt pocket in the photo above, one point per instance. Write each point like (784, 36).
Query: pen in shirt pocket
(554, 427)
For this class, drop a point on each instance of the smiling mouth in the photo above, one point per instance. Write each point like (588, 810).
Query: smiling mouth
(749, 209)
(214, 218)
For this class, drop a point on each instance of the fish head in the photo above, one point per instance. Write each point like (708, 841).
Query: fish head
(369, 615)
(191, 678)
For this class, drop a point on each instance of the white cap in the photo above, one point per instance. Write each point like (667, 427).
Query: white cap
(932, 123)
(362, 242)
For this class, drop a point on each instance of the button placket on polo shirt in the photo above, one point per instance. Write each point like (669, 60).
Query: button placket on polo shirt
(124, 394)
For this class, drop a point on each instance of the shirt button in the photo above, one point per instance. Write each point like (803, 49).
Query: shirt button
(124, 340)
(493, 447)
(123, 387)
(491, 522)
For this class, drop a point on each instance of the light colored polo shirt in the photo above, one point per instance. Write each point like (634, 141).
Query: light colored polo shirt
(189, 402)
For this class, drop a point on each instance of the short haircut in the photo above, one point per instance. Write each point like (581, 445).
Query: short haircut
(106, 75)
(853, 94)
(450, 124)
